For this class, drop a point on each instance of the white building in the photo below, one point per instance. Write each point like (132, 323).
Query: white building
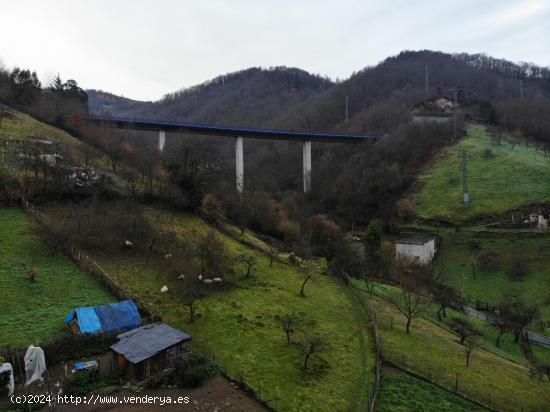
(416, 249)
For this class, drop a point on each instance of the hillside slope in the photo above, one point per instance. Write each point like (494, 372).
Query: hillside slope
(250, 97)
(501, 177)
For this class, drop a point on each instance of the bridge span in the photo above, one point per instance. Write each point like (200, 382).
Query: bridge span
(238, 133)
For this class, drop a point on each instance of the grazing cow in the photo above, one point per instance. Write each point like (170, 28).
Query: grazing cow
(164, 289)
(208, 281)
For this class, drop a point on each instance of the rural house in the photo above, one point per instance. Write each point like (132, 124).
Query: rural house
(114, 317)
(150, 349)
(416, 249)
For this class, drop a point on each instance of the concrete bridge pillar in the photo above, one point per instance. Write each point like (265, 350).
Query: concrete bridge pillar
(162, 140)
(239, 163)
(307, 165)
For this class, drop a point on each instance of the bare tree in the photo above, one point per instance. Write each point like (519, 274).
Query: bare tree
(191, 290)
(307, 270)
(249, 261)
(463, 329)
(311, 344)
(499, 321)
(272, 254)
(470, 344)
(290, 322)
(409, 303)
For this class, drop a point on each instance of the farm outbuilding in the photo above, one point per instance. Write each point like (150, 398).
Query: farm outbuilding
(416, 249)
(114, 317)
(150, 349)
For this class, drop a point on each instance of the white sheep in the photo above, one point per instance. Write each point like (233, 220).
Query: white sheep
(208, 281)
(181, 277)
(168, 256)
(164, 289)
(217, 280)
(128, 244)
(200, 277)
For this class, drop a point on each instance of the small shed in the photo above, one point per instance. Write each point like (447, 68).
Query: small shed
(114, 317)
(416, 249)
(150, 349)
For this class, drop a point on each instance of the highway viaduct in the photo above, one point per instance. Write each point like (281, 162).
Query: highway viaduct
(238, 133)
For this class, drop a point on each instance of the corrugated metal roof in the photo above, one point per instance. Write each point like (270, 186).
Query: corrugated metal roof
(147, 341)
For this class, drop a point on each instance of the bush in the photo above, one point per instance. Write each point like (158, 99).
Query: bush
(517, 268)
(289, 230)
(190, 374)
(488, 154)
(213, 208)
(488, 260)
(84, 382)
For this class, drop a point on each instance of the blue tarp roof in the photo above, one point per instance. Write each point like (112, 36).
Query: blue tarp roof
(122, 315)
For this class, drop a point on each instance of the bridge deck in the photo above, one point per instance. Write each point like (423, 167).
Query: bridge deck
(213, 130)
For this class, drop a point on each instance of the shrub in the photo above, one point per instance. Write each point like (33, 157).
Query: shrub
(213, 208)
(84, 382)
(517, 268)
(190, 374)
(324, 234)
(293, 259)
(488, 260)
(289, 230)
(488, 154)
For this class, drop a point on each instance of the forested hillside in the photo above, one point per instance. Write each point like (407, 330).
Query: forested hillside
(350, 182)
(252, 97)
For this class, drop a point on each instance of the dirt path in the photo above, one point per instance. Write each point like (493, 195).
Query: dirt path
(216, 395)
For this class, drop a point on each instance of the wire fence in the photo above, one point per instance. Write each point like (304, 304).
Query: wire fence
(374, 326)
(91, 266)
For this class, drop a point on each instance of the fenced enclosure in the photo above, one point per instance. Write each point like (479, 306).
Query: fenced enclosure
(89, 265)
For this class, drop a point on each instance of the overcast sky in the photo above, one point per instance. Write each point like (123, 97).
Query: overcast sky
(143, 49)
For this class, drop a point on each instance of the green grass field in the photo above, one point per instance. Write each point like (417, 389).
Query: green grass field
(239, 329)
(34, 312)
(512, 177)
(402, 392)
(433, 351)
(21, 126)
(491, 285)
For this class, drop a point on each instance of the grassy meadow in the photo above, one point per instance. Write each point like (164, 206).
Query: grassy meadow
(433, 351)
(34, 312)
(238, 326)
(500, 178)
(403, 392)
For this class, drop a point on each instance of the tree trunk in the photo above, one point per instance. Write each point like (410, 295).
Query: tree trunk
(408, 325)
(498, 339)
(306, 359)
(302, 294)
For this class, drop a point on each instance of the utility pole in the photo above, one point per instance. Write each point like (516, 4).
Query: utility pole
(455, 127)
(347, 108)
(465, 194)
